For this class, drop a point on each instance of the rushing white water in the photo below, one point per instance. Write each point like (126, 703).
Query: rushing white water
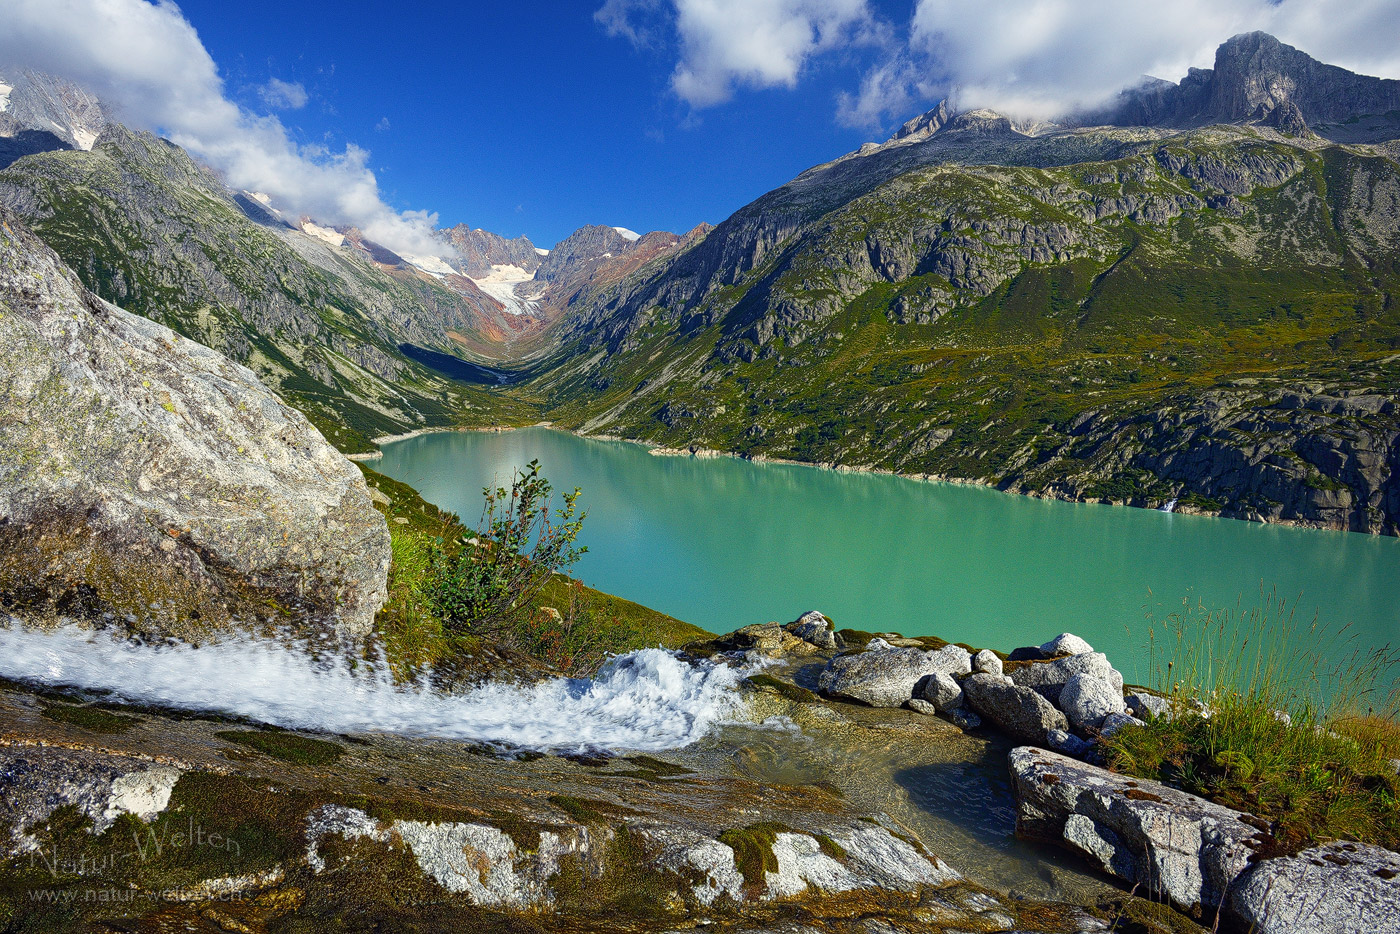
(646, 700)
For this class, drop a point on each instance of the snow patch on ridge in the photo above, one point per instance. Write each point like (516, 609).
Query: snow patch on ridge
(5, 90)
(432, 264)
(84, 138)
(317, 231)
(630, 235)
(501, 284)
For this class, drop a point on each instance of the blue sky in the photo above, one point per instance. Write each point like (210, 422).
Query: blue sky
(527, 119)
(650, 114)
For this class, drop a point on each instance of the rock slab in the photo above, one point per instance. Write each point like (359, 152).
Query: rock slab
(145, 476)
(1200, 856)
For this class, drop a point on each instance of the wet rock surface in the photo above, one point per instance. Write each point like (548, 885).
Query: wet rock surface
(443, 836)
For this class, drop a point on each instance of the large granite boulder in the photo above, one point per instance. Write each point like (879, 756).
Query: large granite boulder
(1172, 844)
(1087, 700)
(1201, 856)
(147, 479)
(1019, 711)
(1337, 888)
(885, 676)
(1050, 677)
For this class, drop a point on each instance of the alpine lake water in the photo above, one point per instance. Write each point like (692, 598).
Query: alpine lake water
(722, 543)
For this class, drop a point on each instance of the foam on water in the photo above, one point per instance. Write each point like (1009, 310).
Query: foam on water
(646, 700)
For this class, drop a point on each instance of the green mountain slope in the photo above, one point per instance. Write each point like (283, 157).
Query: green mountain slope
(150, 230)
(1207, 317)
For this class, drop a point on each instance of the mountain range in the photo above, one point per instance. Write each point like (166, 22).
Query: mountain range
(1186, 298)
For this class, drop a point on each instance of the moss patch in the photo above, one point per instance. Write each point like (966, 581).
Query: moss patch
(753, 850)
(289, 747)
(782, 688)
(94, 719)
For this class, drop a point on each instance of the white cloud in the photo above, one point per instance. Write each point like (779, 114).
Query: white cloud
(382, 126)
(728, 44)
(284, 95)
(888, 92)
(1042, 57)
(633, 20)
(146, 60)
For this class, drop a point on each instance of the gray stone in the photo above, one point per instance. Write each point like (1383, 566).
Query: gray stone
(1087, 699)
(1336, 888)
(986, 662)
(919, 705)
(1019, 711)
(1116, 721)
(1049, 678)
(35, 781)
(1066, 643)
(885, 676)
(965, 720)
(128, 447)
(815, 628)
(940, 690)
(1067, 743)
(1172, 844)
(1142, 705)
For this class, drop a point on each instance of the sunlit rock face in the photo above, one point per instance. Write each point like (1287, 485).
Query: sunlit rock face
(148, 480)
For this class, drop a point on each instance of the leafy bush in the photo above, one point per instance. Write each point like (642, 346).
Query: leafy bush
(484, 585)
(1260, 722)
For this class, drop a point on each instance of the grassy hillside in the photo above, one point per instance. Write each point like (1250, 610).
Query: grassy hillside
(1115, 330)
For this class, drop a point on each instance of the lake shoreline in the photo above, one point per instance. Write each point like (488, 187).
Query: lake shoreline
(696, 451)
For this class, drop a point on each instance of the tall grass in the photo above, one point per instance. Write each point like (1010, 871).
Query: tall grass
(1290, 722)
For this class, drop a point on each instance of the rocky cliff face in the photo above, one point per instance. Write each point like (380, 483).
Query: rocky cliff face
(149, 482)
(481, 249)
(1254, 76)
(40, 113)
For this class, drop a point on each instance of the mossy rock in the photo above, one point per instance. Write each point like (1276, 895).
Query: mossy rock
(289, 747)
(94, 719)
(784, 689)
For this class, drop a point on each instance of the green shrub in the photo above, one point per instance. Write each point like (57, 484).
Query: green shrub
(484, 585)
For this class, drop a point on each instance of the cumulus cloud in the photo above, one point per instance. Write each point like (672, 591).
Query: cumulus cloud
(888, 92)
(1044, 57)
(284, 95)
(633, 20)
(146, 60)
(727, 44)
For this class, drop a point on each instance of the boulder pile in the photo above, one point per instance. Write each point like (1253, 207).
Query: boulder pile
(1062, 695)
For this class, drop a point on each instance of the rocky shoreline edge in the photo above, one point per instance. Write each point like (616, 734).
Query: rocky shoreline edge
(291, 825)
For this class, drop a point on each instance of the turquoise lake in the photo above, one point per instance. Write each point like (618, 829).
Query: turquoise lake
(722, 543)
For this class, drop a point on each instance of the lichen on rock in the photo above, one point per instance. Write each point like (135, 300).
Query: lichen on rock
(150, 481)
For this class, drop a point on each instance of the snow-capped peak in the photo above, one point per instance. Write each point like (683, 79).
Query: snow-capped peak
(630, 235)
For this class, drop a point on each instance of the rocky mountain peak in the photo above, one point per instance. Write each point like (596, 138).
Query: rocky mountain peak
(1256, 78)
(980, 121)
(585, 245)
(480, 250)
(924, 125)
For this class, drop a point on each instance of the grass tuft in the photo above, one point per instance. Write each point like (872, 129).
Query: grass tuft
(1260, 723)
